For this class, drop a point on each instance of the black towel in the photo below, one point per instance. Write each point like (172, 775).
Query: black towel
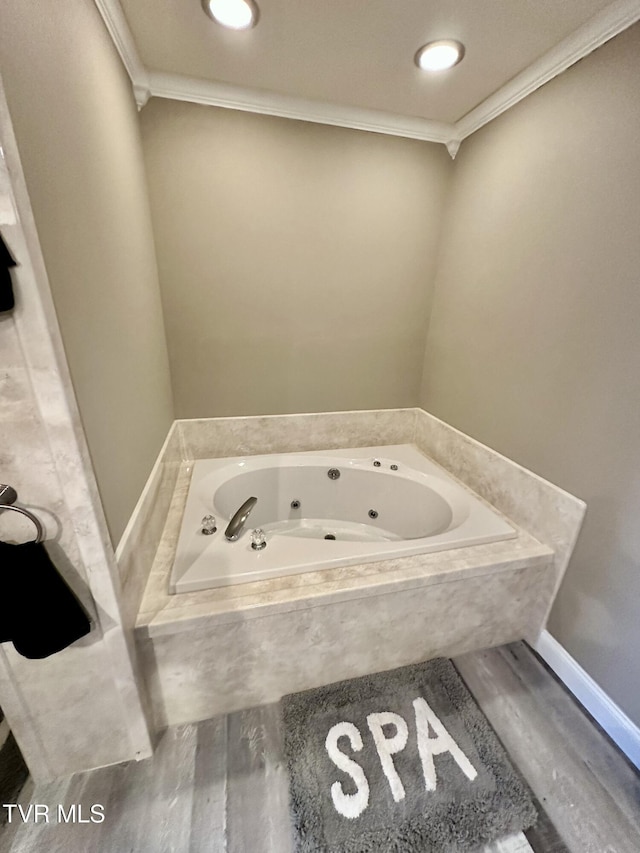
(38, 611)
(7, 301)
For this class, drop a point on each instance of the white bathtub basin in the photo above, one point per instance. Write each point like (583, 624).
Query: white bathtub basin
(370, 512)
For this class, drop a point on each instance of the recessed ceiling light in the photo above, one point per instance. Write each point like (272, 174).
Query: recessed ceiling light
(235, 14)
(439, 55)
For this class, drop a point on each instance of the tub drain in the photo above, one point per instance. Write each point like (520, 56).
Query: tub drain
(329, 536)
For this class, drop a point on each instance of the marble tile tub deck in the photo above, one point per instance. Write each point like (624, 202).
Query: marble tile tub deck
(221, 650)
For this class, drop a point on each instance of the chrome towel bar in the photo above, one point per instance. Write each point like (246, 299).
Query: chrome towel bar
(8, 497)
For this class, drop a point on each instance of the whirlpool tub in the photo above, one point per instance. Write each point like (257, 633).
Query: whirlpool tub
(323, 509)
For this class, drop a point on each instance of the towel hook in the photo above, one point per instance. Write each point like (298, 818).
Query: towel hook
(8, 497)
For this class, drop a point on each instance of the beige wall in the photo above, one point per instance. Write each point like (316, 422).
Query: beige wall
(295, 260)
(534, 342)
(76, 125)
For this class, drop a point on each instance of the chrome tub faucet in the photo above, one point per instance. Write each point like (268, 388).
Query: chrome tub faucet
(234, 528)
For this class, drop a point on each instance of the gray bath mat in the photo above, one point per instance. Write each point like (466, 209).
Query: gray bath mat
(398, 762)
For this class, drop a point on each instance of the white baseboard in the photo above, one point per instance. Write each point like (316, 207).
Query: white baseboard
(616, 724)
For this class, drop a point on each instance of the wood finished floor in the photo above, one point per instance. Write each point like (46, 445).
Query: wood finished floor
(221, 787)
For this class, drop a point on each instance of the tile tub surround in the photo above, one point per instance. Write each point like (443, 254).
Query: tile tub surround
(220, 650)
(548, 513)
(226, 649)
(224, 666)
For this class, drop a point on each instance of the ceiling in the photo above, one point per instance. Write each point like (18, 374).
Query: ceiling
(357, 55)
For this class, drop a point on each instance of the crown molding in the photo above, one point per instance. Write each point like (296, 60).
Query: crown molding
(122, 37)
(181, 88)
(598, 30)
(234, 97)
(453, 145)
